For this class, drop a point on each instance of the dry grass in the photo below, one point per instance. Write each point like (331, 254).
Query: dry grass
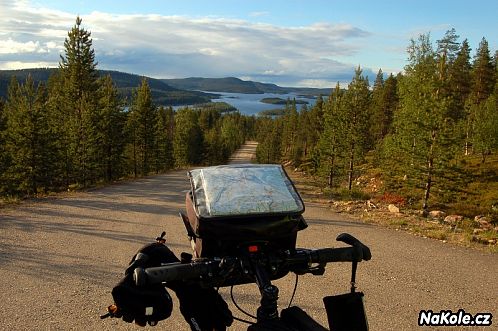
(407, 220)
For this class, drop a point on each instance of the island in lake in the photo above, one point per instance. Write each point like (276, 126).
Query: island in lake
(280, 101)
(272, 112)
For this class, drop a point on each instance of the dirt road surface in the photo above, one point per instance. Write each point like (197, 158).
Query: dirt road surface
(60, 257)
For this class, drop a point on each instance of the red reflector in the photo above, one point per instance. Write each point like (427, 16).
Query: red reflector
(252, 249)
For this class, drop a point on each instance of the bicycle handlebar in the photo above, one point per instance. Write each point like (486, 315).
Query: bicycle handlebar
(211, 268)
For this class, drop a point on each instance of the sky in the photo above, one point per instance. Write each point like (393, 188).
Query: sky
(311, 43)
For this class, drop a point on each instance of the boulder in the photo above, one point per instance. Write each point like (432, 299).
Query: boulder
(438, 214)
(453, 219)
(393, 209)
(484, 222)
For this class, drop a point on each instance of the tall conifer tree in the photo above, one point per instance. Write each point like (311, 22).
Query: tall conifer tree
(187, 142)
(78, 67)
(331, 145)
(28, 139)
(423, 143)
(109, 138)
(357, 119)
(142, 122)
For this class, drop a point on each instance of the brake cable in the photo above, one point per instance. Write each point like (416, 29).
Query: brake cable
(294, 291)
(242, 310)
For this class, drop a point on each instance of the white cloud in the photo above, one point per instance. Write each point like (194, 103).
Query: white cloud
(166, 46)
(10, 46)
(11, 65)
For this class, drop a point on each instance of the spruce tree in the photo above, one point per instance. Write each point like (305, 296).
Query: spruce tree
(483, 80)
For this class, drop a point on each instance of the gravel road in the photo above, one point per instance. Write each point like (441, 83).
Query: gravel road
(60, 257)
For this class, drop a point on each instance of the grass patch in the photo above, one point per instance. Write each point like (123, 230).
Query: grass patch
(409, 219)
(345, 194)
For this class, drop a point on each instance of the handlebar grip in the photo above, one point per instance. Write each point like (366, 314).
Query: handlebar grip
(342, 254)
(170, 272)
(352, 241)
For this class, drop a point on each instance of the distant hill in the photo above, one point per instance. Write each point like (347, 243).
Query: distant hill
(228, 84)
(162, 93)
(236, 85)
(184, 91)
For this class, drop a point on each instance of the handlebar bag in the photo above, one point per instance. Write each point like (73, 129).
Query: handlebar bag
(231, 204)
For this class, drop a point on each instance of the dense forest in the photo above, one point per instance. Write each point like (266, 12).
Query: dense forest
(76, 130)
(430, 134)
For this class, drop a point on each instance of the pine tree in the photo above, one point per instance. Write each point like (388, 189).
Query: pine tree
(459, 81)
(332, 145)
(164, 139)
(78, 67)
(377, 129)
(357, 121)
(486, 128)
(28, 139)
(448, 47)
(315, 127)
(58, 117)
(187, 141)
(289, 133)
(215, 150)
(141, 125)
(270, 140)
(4, 160)
(306, 139)
(109, 138)
(232, 132)
(483, 73)
(423, 143)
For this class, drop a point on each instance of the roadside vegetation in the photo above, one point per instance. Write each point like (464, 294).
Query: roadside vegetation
(420, 146)
(424, 141)
(78, 131)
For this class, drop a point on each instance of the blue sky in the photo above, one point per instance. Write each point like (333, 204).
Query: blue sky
(292, 43)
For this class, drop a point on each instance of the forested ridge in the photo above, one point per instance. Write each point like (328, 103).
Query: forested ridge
(78, 130)
(428, 136)
(162, 93)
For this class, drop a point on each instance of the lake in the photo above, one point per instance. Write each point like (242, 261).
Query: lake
(249, 104)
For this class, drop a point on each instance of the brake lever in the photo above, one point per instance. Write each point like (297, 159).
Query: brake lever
(352, 241)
